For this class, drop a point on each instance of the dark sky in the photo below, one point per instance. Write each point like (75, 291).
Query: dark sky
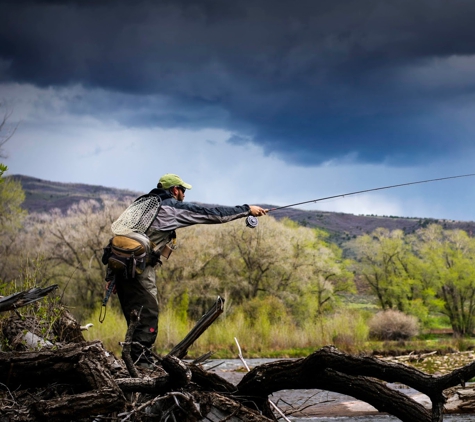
(272, 102)
(368, 81)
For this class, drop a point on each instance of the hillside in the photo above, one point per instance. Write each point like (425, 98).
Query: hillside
(42, 196)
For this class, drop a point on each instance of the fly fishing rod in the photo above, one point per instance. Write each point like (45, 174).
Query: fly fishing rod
(252, 221)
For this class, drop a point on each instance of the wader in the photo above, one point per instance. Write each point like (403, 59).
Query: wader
(140, 293)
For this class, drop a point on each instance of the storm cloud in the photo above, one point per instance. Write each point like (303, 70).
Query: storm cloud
(362, 81)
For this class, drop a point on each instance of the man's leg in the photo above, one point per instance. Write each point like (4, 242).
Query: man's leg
(140, 293)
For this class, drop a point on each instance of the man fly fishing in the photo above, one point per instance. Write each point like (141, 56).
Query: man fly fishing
(153, 220)
(170, 213)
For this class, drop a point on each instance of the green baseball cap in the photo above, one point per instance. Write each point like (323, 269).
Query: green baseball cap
(169, 180)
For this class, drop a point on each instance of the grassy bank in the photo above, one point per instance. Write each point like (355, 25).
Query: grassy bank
(258, 337)
(261, 337)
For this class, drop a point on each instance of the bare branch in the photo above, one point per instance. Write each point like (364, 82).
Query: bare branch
(6, 132)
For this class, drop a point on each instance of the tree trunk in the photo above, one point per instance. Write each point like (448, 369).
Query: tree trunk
(79, 374)
(81, 381)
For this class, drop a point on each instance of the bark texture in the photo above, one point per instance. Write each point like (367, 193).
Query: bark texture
(81, 381)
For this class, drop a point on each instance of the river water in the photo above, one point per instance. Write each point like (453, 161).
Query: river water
(318, 405)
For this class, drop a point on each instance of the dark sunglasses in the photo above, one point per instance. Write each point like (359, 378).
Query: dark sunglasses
(181, 188)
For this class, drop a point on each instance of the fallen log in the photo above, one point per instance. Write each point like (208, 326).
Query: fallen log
(216, 407)
(82, 371)
(91, 386)
(327, 368)
(78, 406)
(181, 349)
(460, 400)
(30, 333)
(82, 381)
(20, 299)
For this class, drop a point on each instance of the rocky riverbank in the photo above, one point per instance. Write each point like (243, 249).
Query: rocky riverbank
(434, 363)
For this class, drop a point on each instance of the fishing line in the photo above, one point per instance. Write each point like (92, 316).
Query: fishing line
(371, 190)
(253, 223)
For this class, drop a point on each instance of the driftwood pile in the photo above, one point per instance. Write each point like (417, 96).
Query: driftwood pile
(81, 381)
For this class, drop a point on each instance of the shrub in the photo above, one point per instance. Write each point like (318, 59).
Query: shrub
(348, 330)
(393, 325)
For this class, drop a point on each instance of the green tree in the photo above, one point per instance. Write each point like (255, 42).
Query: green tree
(6, 132)
(449, 257)
(11, 192)
(278, 258)
(329, 274)
(11, 213)
(432, 270)
(11, 219)
(11, 198)
(387, 264)
(3, 169)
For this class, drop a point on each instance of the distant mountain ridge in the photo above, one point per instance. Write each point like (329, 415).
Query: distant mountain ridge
(42, 196)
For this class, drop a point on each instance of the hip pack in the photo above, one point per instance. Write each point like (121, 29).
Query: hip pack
(127, 255)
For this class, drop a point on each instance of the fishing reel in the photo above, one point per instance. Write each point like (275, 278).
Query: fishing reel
(252, 222)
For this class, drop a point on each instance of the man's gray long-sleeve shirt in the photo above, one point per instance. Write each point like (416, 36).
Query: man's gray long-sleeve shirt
(174, 214)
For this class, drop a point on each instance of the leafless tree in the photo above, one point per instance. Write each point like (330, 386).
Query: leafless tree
(6, 130)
